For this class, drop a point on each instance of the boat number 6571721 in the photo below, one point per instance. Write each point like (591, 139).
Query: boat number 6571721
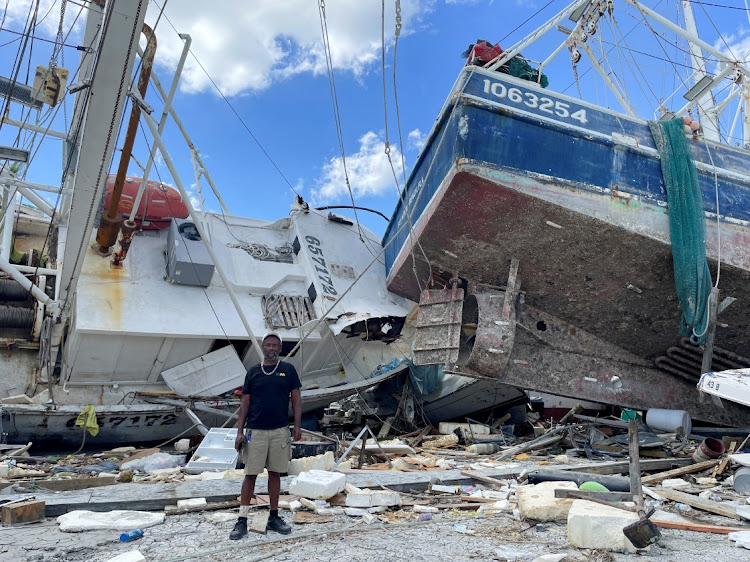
(530, 99)
(313, 246)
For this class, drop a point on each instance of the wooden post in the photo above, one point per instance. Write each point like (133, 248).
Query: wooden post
(635, 465)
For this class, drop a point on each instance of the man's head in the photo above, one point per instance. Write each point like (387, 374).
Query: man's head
(271, 347)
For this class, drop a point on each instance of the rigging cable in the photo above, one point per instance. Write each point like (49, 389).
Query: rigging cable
(335, 102)
(399, 190)
(236, 113)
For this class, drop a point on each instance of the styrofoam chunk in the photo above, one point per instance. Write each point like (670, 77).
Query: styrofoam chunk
(192, 502)
(117, 520)
(592, 525)
(539, 502)
(317, 484)
(369, 518)
(132, 556)
(318, 462)
(425, 509)
(354, 511)
(220, 516)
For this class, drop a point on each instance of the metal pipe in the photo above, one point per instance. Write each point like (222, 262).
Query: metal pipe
(9, 204)
(190, 144)
(11, 270)
(111, 220)
(35, 128)
(153, 127)
(162, 121)
(41, 204)
(608, 80)
(36, 270)
(15, 182)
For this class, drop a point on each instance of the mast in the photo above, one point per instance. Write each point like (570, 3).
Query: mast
(707, 116)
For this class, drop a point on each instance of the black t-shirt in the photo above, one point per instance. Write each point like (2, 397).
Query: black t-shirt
(269, 395)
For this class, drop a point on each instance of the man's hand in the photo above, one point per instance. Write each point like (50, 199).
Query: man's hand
(240, 440)
(296, 434)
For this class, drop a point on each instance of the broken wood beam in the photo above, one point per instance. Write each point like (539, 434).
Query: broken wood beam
(174, 510)
(609, 497)
(20, 512)
(725, 461)
(700, 503)
(698, 527)
(690, 469)
(482, 478)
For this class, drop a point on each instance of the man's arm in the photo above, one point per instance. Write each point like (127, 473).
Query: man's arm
(241, 419)
(297, 410)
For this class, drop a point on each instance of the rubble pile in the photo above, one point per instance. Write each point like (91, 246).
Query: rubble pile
(612, 484)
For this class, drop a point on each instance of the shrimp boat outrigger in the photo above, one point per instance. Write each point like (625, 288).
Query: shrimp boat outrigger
(558, 229)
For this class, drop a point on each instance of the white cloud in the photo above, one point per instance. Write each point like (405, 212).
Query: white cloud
(18, 12)
(416, 139)
(735, 45)
(247, 46)
(369, 172)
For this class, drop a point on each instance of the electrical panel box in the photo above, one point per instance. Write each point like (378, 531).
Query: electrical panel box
(188, 261)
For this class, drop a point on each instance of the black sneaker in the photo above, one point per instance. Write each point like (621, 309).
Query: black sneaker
(277, 524)
(240, 529)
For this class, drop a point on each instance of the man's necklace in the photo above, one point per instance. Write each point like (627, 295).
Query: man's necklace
(272, 370)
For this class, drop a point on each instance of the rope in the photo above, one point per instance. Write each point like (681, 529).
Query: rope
(335, 102)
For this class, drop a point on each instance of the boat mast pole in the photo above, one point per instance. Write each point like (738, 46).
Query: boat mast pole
(708, 116)
(154, 128)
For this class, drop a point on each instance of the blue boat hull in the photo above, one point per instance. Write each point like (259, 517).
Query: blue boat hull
(576, 194)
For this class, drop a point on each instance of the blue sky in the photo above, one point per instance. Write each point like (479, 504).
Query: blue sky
(267, 59)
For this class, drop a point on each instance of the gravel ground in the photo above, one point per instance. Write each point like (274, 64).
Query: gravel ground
(454, 536)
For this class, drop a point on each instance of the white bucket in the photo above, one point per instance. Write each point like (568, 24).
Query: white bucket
(671, 421)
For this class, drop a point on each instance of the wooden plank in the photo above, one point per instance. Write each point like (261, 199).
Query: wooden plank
(588, 494)
(700, 503)
(461, 506)
(259, 522)
(174, 510)
(480, 499)
(719, 469)
(690, 469)
(698, 527)
(620, 467)
(66, 484)
(307, 517)
(635, 464)
(18, 513)
(483, 478)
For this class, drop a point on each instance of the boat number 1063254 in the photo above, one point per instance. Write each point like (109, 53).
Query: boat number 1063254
(321, 269)
(530, 99)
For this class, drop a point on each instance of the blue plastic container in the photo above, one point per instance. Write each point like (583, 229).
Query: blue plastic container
(131, 535)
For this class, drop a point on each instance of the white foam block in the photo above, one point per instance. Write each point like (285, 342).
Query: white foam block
(117, 520)
(317, 484)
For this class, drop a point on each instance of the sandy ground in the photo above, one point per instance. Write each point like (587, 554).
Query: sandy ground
(454, 536)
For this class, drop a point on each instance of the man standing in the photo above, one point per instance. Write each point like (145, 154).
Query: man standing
(264, 410)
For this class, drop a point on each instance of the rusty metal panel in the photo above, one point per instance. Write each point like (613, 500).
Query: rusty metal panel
(438, 327)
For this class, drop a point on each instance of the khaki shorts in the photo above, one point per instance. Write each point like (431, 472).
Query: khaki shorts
(268, 448)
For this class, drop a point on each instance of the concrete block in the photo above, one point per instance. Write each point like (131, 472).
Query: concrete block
(539, 502)
(354, 511)
(370, 518)
(117, 520)
(318, 462)
(317, 484)
(592, 525)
